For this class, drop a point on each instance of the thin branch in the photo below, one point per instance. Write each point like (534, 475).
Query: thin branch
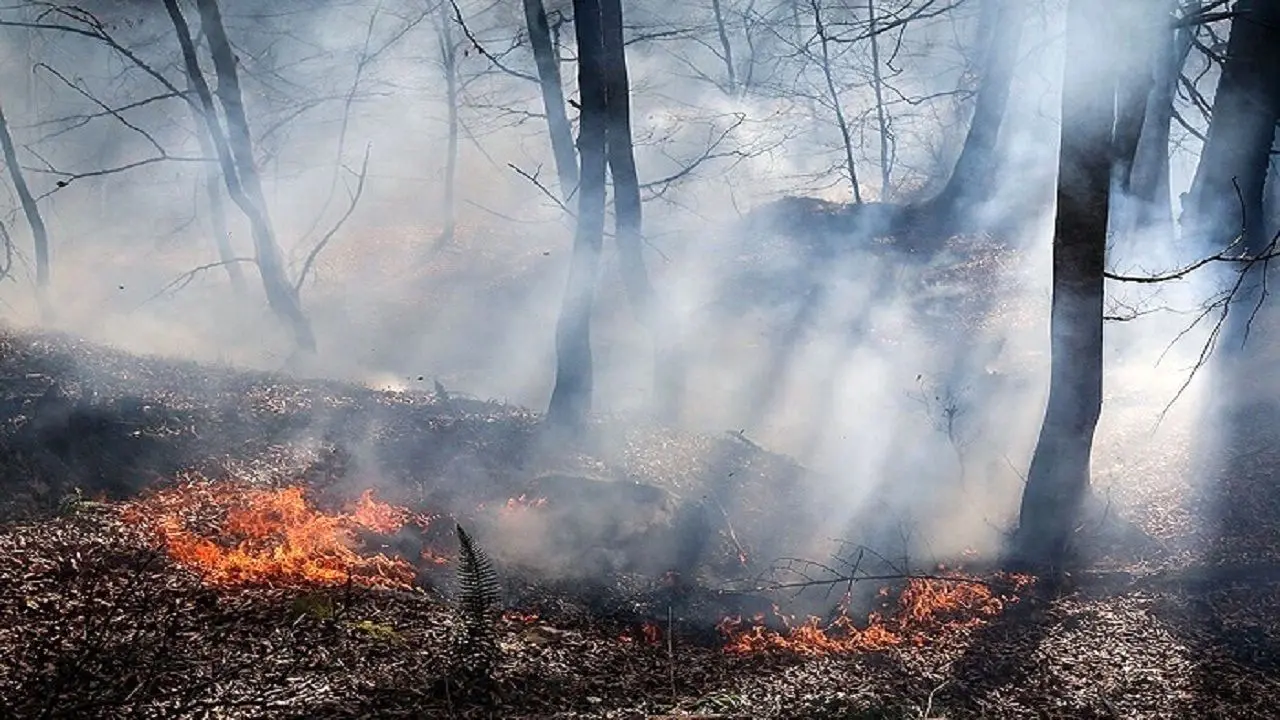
(351, 208)
(185, 279)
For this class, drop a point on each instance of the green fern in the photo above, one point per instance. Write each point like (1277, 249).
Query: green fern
(479, 601)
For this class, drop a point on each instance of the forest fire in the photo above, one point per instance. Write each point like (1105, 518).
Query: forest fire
(237, 535)
(927, 609)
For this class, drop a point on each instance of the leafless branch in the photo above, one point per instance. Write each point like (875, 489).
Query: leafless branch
(351, 207)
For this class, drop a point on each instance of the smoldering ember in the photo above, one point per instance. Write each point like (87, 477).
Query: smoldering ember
(602, 359)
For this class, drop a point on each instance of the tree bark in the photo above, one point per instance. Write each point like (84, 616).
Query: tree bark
(546, 59)
(1233, 165)
(39, 233)
(1058, 479)
(571, 397)
(280, 294)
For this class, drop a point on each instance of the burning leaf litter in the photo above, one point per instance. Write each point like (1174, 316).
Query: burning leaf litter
(235, 534)
(928, 609)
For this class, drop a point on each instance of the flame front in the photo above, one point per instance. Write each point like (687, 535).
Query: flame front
(275, 537)
(928, 608)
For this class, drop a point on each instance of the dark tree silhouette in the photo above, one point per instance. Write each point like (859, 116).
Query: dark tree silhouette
(571, 396)
(236, 157)
(1233, 165)
(1058, 479)
(544, 56)
(39, 233)
(1148, 179)
(973, 178)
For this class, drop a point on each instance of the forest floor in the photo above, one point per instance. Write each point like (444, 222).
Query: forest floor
(99, 618)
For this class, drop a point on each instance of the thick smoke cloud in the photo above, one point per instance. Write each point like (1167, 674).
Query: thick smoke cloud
(852, 362)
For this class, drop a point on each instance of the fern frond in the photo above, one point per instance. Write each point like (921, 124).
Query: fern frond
(479, 592)
(479, 598)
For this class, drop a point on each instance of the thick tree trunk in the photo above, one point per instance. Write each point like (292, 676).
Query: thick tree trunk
(39, 233)
(280, 294)
(545, 57)
(1233, 165)
(973, 179)
(628, 210)
(1058, 479)
(571, 397)
(1149, 178)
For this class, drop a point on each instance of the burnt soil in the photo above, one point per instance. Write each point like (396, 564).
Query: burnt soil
(96, 622)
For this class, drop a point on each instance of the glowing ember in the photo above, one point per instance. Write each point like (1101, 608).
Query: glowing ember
(928, 608)
(524, 502)
(257, 536)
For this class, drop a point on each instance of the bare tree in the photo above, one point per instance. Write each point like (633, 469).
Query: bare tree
(726, 48)
(211, 181)
(973, 176)
(882, 118)
(235, 156)
(1233, 165)
(828, 76)
(548, 64)
(1058, 479)
(571, 397)
(449, 64)
(39, 233)
(1148, 181)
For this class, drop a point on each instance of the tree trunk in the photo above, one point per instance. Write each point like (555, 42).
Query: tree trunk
(1058, 479)
(882, 118)
(39, 233)
(726, 48)
(1149, 178)
(571, 397)
(217, 209)
(1135, 86)
(973, 179)
(627, 205)
(280, 294)
(449, 62)
(1233, 165)
(545, 57)
(1137, 62)
(846, 135)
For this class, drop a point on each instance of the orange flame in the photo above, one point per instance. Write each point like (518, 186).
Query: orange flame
(271, 536)
(928, 608)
